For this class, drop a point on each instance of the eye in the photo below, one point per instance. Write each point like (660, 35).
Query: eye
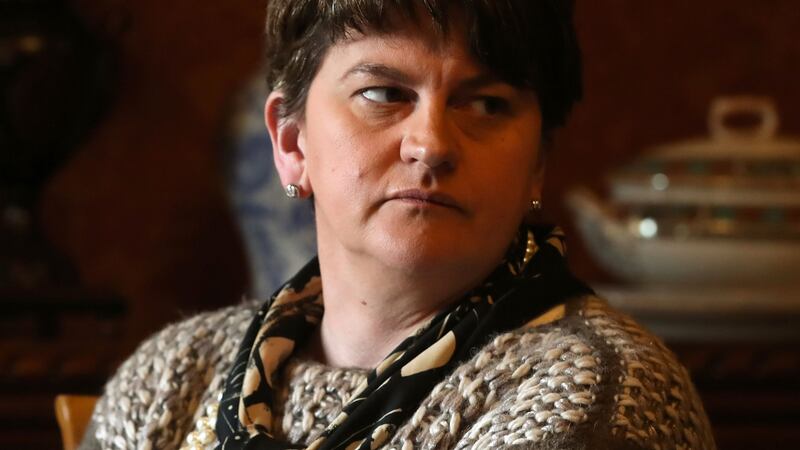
(490, 106)
(383, 94)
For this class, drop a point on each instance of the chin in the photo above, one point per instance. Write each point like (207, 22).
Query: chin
(446, 256)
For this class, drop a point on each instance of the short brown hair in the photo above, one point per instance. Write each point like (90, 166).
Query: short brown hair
(527, 43)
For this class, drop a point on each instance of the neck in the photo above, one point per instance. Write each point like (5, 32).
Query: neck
(370, 309)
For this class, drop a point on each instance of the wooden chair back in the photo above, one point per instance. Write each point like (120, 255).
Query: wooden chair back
(73, 413)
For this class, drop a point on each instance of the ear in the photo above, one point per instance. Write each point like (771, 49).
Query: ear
(288, 144)
(537, 174)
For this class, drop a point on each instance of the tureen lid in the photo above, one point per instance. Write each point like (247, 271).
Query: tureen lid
(726, 141)
(733, 166)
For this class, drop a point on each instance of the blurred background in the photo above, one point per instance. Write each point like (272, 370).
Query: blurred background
(136, 188)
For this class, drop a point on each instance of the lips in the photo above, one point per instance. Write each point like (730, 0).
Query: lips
(433, 198)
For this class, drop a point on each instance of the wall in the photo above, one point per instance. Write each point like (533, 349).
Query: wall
(651, 70)
(141, 208)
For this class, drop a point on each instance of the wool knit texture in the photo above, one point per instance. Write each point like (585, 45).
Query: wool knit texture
(588, 378)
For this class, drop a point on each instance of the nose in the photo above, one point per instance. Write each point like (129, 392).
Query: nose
(428, 140)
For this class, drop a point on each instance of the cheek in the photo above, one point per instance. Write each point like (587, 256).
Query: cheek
(525, 153)
(525, 139)
(515, 163)
(342, 158)
(508, 178)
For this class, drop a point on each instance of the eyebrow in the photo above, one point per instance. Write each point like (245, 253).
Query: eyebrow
(379, 70)
(398, 76)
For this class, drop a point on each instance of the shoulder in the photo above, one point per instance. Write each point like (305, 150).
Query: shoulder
(589, 377)
(644, 396)
(154, 393)
(593, 378)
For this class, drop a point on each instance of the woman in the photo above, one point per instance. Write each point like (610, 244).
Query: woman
(434, 316)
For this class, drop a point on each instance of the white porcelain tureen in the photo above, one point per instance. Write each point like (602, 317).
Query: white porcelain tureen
(723, 209)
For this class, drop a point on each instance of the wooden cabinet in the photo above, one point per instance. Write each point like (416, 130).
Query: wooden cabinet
(51, 343)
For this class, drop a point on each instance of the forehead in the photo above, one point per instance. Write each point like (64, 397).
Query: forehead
(407, 42)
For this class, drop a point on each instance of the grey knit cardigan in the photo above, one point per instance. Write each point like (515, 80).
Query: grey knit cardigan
(585, 377)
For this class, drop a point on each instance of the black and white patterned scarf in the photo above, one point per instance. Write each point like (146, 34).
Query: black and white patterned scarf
(532, 279)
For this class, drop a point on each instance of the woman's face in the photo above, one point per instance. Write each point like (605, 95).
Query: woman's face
(417, 157)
